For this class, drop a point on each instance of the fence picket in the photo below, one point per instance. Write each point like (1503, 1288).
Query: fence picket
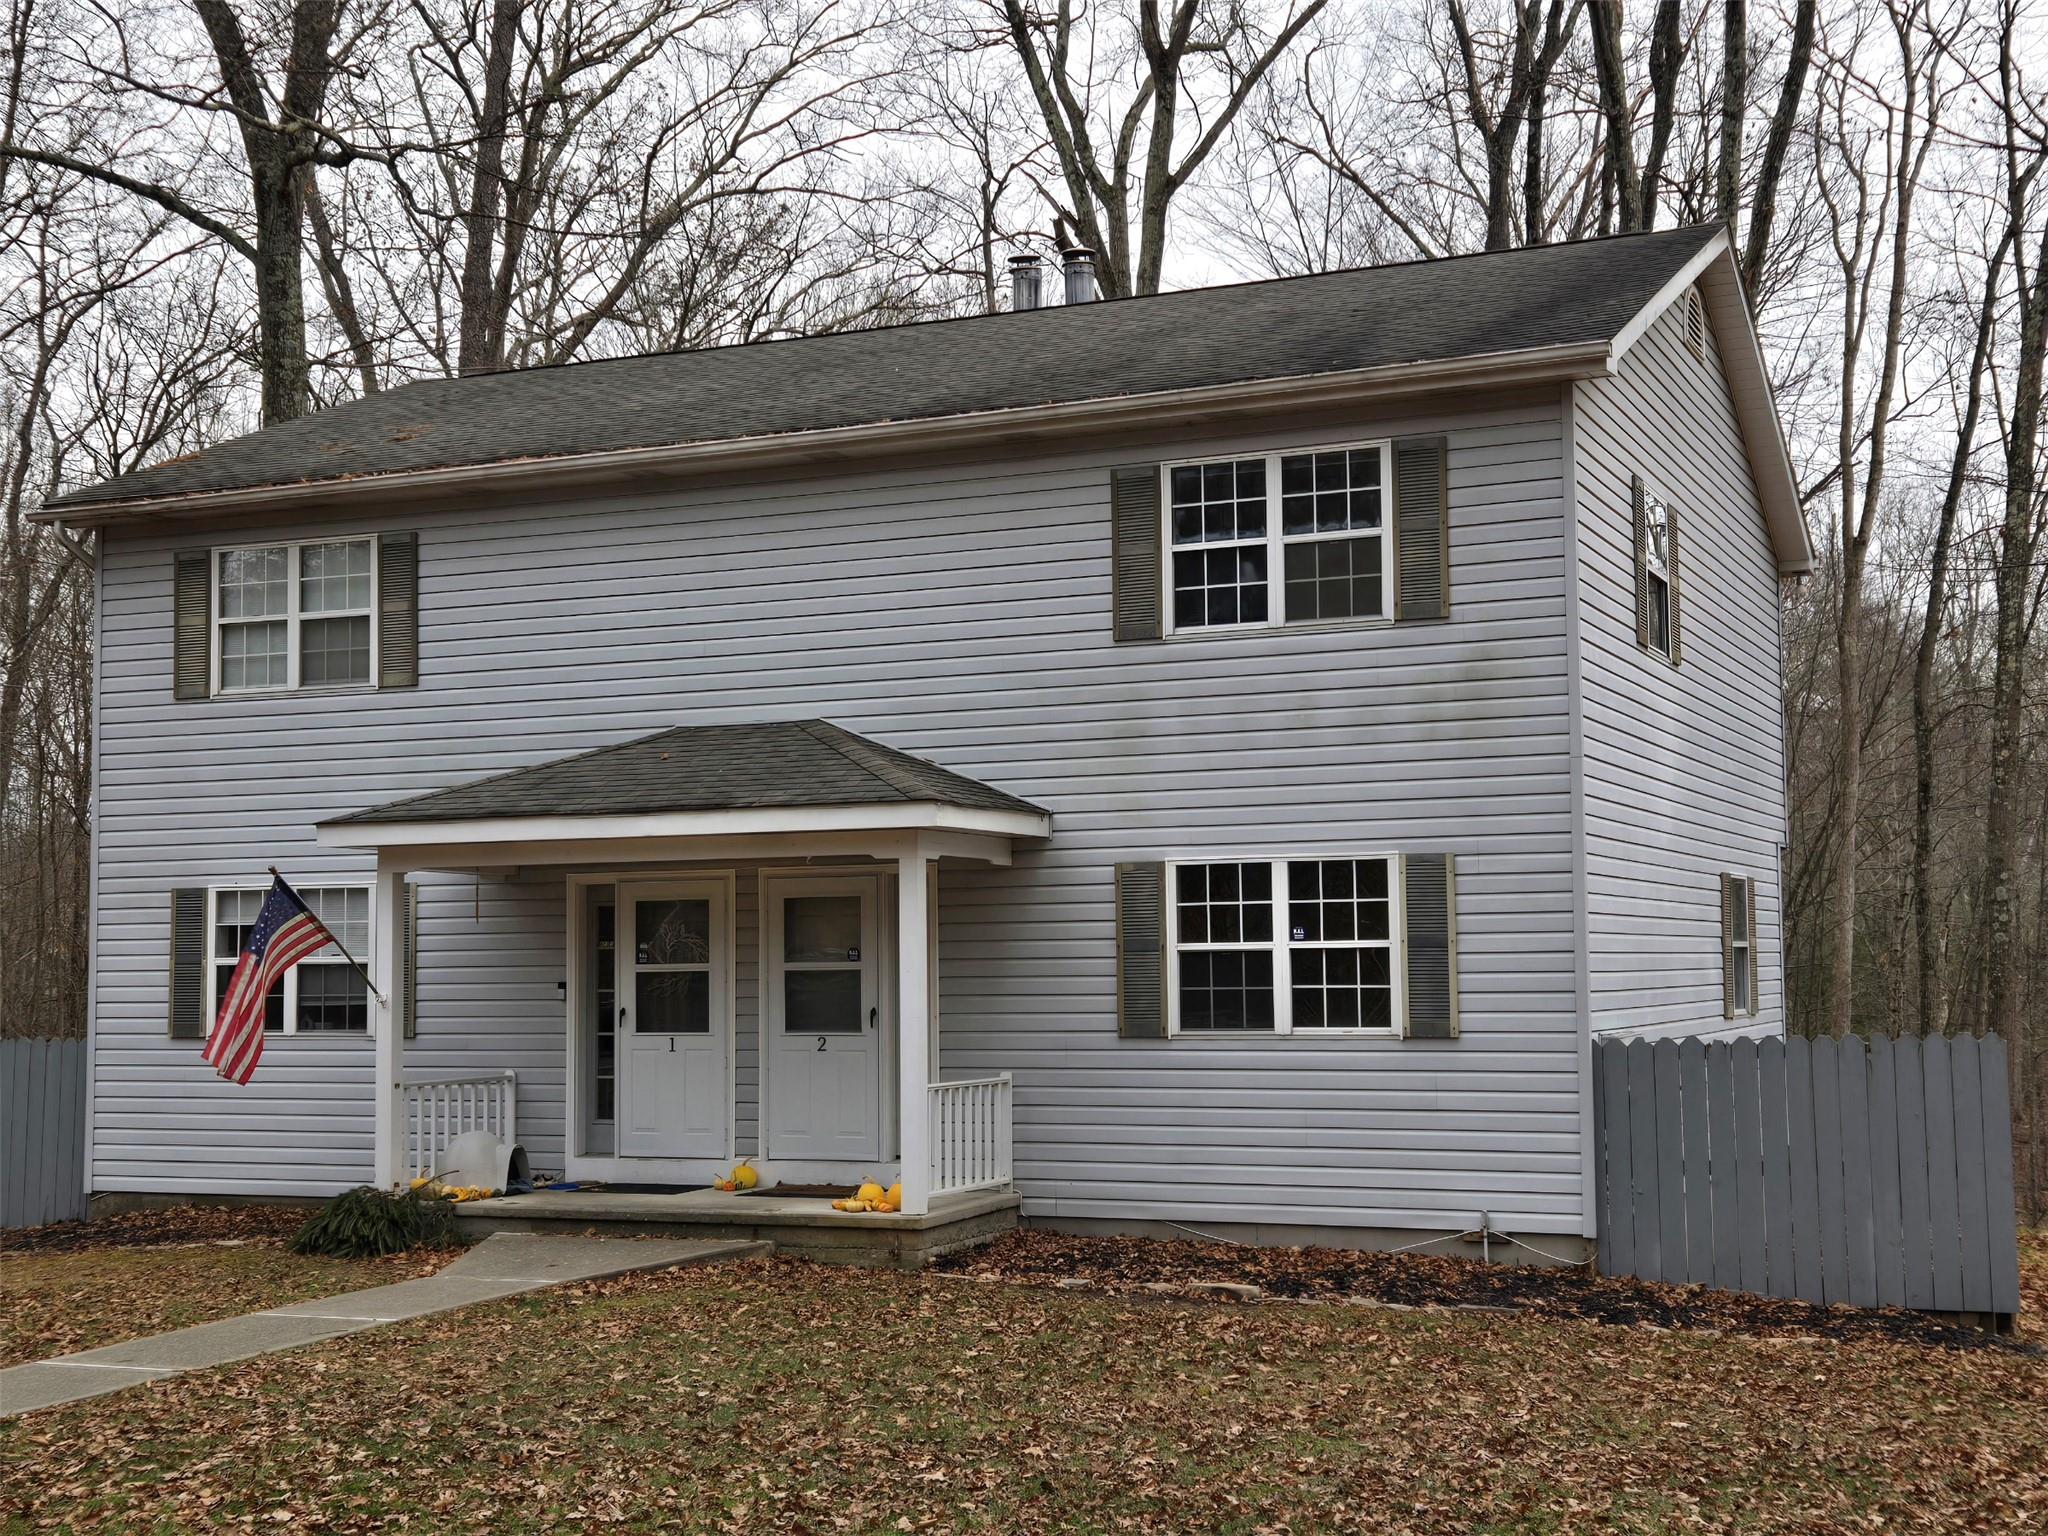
(1852, 1091)
(1782, 1256)
(1746, 1110)
(1643, 1187)
(1697, 1173)
(1724, 1168)
(1916, 1254)
(1882, 1118)
(1617, 1219)
(1670, 1166)
(1972, 1223)
(1996, 1114)
(1944, 1238)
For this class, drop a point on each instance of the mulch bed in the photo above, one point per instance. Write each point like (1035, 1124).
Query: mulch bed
(164, 1228)
(1031, 1257)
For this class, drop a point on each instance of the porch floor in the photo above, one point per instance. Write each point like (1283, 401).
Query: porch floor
(803, 1225)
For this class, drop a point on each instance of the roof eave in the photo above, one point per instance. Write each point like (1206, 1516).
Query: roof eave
(485, 834)
(1714, 269)
(1537, 365)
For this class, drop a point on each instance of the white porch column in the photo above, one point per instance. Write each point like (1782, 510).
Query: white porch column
(386, 910)
(913, 1025)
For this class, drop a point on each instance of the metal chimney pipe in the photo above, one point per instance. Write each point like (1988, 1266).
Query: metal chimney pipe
(1025, 289)
(1080, 271)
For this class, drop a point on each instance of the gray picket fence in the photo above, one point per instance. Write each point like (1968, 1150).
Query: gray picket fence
(1875, 1173)
(42, 1132)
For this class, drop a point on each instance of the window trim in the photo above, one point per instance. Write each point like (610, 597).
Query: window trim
(1742, 895)
(293, 617)
(1276, 542)
(291, 977)
(1281, 945)
(1656, 570)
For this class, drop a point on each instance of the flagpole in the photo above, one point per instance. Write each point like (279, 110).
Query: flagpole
(351, 959)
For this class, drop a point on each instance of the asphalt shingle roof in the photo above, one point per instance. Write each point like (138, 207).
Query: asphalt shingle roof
(1427, 311)
(706, 768)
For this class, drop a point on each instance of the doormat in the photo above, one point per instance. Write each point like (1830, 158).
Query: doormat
(804, 1191)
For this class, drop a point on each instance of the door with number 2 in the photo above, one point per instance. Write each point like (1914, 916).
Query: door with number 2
(823, 1019)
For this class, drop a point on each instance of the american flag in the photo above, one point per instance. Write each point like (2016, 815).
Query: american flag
(286, 932)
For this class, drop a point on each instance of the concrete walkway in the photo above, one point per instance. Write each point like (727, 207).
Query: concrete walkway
(507, 1264)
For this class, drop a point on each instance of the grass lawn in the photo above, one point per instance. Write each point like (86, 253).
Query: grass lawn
(54, 1303)
(777, 1396)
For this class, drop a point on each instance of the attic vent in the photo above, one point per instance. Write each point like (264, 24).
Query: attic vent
(1695, 324)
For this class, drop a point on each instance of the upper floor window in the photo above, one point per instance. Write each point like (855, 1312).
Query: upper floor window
(1278, 539)
(323, 993)
(1658, 560)
(296, 615)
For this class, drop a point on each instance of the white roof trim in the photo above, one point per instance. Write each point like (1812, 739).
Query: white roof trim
(753, 821)
(1713, 269)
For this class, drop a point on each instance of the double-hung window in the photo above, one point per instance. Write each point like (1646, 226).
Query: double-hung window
(1657, 572)
(1284, 538)
(295, 616)
(1738, 945)
(323, 993)
(1284, 946)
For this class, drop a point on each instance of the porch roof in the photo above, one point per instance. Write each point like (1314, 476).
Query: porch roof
(782, 776)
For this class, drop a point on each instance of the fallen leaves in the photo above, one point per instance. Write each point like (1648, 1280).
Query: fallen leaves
(844, 1401)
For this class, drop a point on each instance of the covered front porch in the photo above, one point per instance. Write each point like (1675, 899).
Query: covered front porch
(748, 969)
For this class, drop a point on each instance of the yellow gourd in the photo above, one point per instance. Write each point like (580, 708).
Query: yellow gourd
(869, 1191)
(744, 1174)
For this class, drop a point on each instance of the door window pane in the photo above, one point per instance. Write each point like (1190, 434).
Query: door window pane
(821, 928)
(672, 932)
(673, 1002)
(821, 1002)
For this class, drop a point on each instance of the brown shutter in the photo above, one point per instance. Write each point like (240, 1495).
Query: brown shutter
(1422, 541)
(1671, 572)
(1141, 951)
(188, 963)
(398, 610)
(1639, 496)
(1135, 553)
(1728, 899)
(408, 956)
(1429, 891)
(1756, 1001)
(192, 625)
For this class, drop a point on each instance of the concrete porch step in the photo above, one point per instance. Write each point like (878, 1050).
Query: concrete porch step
(802, 1225)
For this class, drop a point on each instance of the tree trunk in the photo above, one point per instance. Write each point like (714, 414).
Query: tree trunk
(1763, 205)
(482, 345)
(1734, 97)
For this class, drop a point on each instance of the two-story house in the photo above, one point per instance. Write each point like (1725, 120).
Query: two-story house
(1211, 760)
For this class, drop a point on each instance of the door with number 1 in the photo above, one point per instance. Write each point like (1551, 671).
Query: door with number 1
(824, 1011)
(674, 992)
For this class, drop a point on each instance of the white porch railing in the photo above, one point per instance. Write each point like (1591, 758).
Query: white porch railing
(970, 1130)
(433, 1111)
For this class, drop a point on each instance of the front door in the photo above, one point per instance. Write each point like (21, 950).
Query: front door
(673, 992)
(823, 1011)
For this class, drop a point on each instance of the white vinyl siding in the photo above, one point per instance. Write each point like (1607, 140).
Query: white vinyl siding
(1684, 767)
(960, 611)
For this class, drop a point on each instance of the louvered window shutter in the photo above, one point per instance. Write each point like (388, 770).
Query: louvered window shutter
(192, 625)
(1422, 538)
(408, 957)
(1134, 523)
(1730, 894)
(1640, 497)
(398, 610)
(1671, 562)
(1749, 900)
(188, 963)
(1429, 892)
(1141, 951)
